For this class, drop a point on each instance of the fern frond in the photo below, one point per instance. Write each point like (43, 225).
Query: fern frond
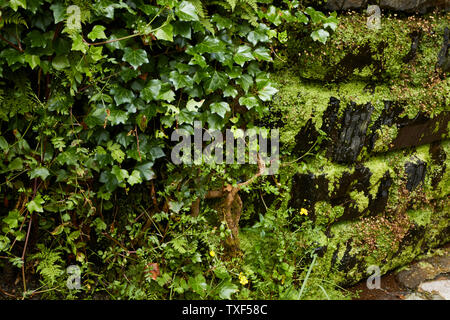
(11, 17)
(48, 265)
(200, 8)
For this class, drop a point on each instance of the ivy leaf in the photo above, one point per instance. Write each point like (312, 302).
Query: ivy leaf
(165, 33)
(36, 204)
(180, 80)
(166, 95)
(210, 45)
(32, 60)
(193, 105)
(258, 35)
(182, 29)
(98, 32)
(320, 35)
(186, 12)
(216, 81)
(15, 4)
(122, 95)
(39, 172)
(151, 90)
(261, 53)
(16, 164)
(220, 108)
(230, 92)
(135, 57)
(242, 55)
(60, 62)
(146, 170)
(37, 39)
(316, 16)
(227, 290)
(59, 12)
(330, 22)
(249, 101)
(221, 22)
(245, 81)
(135, 178)
(3, 143)
(266, 93)
(120, 174)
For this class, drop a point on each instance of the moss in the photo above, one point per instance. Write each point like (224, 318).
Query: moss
(356, 53)
(347, 267)
(361, 200)
(420, 217)
(326, 213)
(386, 135)
(378, 166)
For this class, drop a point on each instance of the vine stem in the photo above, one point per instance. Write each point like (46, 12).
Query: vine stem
(26, 240)
(11, 44)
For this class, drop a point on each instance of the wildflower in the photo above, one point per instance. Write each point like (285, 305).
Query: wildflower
(243, 279)
(303, 211)
(212, 253)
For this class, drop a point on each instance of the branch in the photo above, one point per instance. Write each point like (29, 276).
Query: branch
(11, 44)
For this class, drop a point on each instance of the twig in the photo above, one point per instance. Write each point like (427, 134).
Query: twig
(11, 44)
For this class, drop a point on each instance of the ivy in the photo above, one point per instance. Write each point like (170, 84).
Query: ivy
(90, 92)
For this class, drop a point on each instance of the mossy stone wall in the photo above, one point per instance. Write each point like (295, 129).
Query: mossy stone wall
(364, 125)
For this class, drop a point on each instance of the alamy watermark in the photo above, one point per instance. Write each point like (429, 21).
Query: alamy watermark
(74, 279)
(374, 280)
(192, 150)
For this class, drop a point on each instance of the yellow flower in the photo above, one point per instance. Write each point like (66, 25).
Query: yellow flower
(243, 279)
(303, 211)
(212, 253)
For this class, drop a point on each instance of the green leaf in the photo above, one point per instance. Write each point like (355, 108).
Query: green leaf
(15, 4)
(59, 12)
(41, 172)
(36, 204)
(316, 16)
(249, 101)
(193, 105)
(16, 164)
(135, 57)
(320, 35)
(151, 90)
(216, 81)
(186, 12)
(180, 80)
(331, 22)
(266, 93)
(220, 108)
(58, 230)
(135, 178)
(261, 53)
(242, 55)
(165, 33)
(221, 22)
(245, 81)
(60, 62)
(32, 60)
(120, 174)
(122, 95)
(230, 92)
(258, 35)
(98, 32)
(227, 290)
(3, 143)
(146, 170)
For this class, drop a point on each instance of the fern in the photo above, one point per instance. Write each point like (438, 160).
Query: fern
(246, 9)
(48, 266)
(11, 17)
